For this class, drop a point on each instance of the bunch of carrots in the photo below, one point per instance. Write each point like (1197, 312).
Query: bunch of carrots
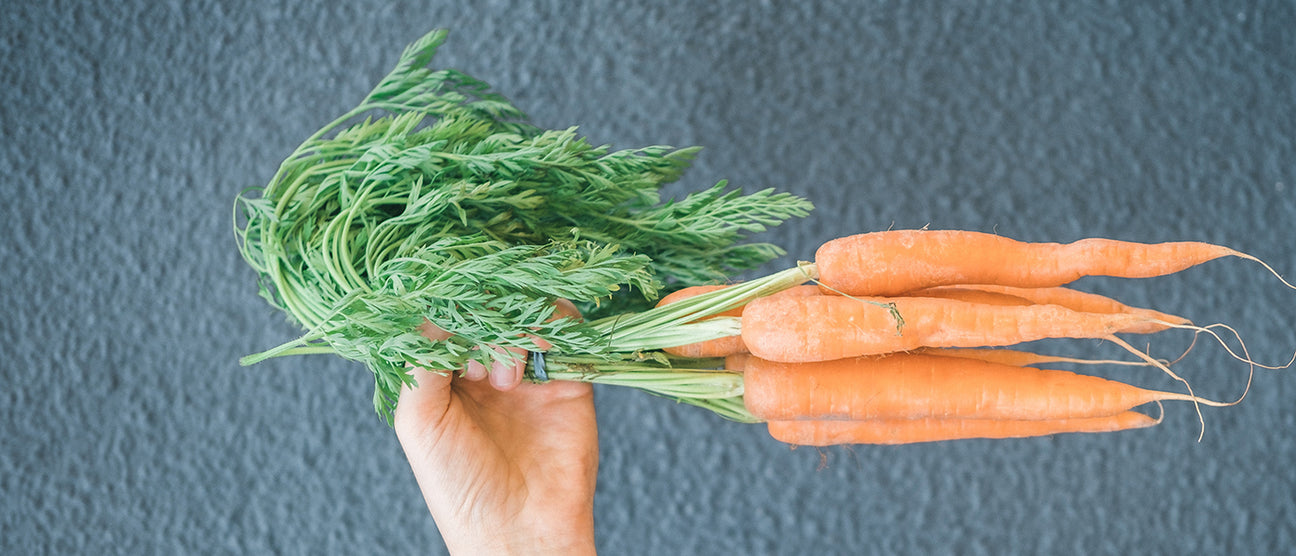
(891, 343)
(443, 212)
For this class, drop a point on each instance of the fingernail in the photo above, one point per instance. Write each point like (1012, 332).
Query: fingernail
(474, 370)
(503, 377)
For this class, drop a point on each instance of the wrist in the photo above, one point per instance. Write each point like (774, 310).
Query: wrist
(500, 543)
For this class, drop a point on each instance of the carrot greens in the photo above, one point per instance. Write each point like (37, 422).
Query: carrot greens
(435, 199)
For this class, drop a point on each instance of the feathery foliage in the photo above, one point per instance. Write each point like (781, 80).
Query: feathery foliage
(444, 204)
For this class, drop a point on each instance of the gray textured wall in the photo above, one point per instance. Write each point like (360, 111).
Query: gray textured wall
(128, 427)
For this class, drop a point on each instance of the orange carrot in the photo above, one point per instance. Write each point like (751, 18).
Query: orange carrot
(1071, 299)
(718, 347)
(899, 261)
(692, 291)
(972, 294)
(1018, 358)
(822, 328)
(737, 362)
(797, 291)
(721, 347)
(912, 431)
(915, 386)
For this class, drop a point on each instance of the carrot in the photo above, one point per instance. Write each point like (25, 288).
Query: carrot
(692, 291)
(1072, 299)
(1019, 358)
(737, 362)
(721, 347)
(1154, 321)
(822, 328)
(718, 347)
(797, 291)
(899, 261)
(971, 294)
(916, 386)
(912, 431)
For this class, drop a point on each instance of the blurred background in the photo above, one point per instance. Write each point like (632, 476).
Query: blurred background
(129, 127)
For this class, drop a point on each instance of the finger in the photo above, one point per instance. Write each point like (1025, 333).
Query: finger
(433, 332)
(474, 370)
(562, 309)
(540, 343)
(508, 375)
(565, 308)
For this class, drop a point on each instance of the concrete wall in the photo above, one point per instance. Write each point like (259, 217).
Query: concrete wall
(128, 427)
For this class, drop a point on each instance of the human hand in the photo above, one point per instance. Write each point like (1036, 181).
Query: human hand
(505, 467)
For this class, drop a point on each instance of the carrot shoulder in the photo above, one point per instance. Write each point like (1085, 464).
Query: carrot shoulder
(912, 431)
(917, 386)
(899, 261)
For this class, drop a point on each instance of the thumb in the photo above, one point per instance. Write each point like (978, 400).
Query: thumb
(422, 405)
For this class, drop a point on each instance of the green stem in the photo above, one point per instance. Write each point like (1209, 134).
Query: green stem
(314, 137)
(698, 382)
(623, 331)
(300, 346)
(681, 334)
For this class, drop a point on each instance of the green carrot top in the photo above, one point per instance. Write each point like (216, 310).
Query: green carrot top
(435, 199)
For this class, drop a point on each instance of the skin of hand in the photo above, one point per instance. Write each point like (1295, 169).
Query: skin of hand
(505, 467)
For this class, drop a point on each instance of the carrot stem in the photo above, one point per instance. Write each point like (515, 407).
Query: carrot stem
(718, 391)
